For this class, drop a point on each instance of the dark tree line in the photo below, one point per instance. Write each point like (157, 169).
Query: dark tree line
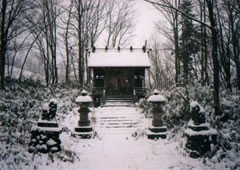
(205, 37)
(13, 26)
(57, 34)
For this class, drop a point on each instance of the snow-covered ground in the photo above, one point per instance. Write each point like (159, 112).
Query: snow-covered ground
(120, 142)
(121, 146)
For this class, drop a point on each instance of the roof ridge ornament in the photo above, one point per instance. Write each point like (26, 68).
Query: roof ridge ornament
(93, 48)
(106, 48)
(131, 48)
(144, 48)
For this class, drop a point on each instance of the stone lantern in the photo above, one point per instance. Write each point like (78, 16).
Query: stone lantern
(84, 129)
(157, 129)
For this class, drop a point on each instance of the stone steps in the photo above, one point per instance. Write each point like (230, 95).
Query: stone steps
(118, 119)
(118, 101)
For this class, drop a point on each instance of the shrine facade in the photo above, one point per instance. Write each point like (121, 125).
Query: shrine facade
(119, 72)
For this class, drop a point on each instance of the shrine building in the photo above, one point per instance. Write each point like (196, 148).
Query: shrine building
(118, 73)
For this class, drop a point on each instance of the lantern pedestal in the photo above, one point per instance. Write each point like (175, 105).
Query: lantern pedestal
(84, 129)
(157, 132)
(85, 132)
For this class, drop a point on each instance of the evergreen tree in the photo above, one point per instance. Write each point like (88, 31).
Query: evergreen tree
(188, 37)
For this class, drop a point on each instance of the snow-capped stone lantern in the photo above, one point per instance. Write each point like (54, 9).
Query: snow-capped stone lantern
(84, 128)
(199, 134)
(157, 129)
(45, 135)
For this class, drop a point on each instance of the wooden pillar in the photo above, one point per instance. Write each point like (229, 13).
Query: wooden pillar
(144, 79)
(91, 77)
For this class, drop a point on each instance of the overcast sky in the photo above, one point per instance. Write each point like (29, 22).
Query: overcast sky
(146, 16)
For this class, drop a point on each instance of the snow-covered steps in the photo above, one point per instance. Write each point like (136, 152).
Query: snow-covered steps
(110, 101)
(118, 103)
(118, 120)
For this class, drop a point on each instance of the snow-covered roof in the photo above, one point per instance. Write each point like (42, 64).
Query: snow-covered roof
(118, 58)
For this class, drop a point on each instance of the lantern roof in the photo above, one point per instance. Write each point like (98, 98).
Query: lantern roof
(157, 97)
(84, 98)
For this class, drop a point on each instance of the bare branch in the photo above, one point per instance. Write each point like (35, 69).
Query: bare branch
(156, 4)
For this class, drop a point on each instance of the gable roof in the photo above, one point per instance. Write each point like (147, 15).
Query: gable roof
(118, 58)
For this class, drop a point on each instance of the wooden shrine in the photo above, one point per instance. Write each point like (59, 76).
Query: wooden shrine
(118, 72)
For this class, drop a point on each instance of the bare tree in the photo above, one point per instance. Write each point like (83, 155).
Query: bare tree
(234, 26)
(211, 6)
(13, 15)
(162, 65)
(44, 31)
(36, 36)
(66, 20)
(119, 22)
(204, 42)
(87, 24)
(172, 16)
(3, 42)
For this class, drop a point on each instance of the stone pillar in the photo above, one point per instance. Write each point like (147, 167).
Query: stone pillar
(157, 129)
(84, 129)
(45, 135)
(198, 132)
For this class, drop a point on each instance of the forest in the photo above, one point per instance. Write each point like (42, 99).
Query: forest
(43, 51)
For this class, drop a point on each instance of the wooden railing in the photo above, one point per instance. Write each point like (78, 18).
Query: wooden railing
(99, 94)
(139, 92)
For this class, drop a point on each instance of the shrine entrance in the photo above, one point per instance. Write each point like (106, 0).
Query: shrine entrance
(119, 81)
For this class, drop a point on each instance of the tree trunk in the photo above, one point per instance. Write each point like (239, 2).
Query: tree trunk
(235, 43)
(204, 43)
(176, 43)
(3, 45)
(55, 43)
(214, 58)
(224, 53)
(80, 76)
(26, 56)
(67, 44)
(206, 79)
(67, 55)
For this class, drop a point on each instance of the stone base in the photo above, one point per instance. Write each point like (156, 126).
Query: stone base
(85, 132)
(199, 141)
(45, 137)
(45, 123)
(48, 126)
(157, 132)
(84, 129)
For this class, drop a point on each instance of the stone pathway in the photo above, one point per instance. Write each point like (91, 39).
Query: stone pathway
(116, 148)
